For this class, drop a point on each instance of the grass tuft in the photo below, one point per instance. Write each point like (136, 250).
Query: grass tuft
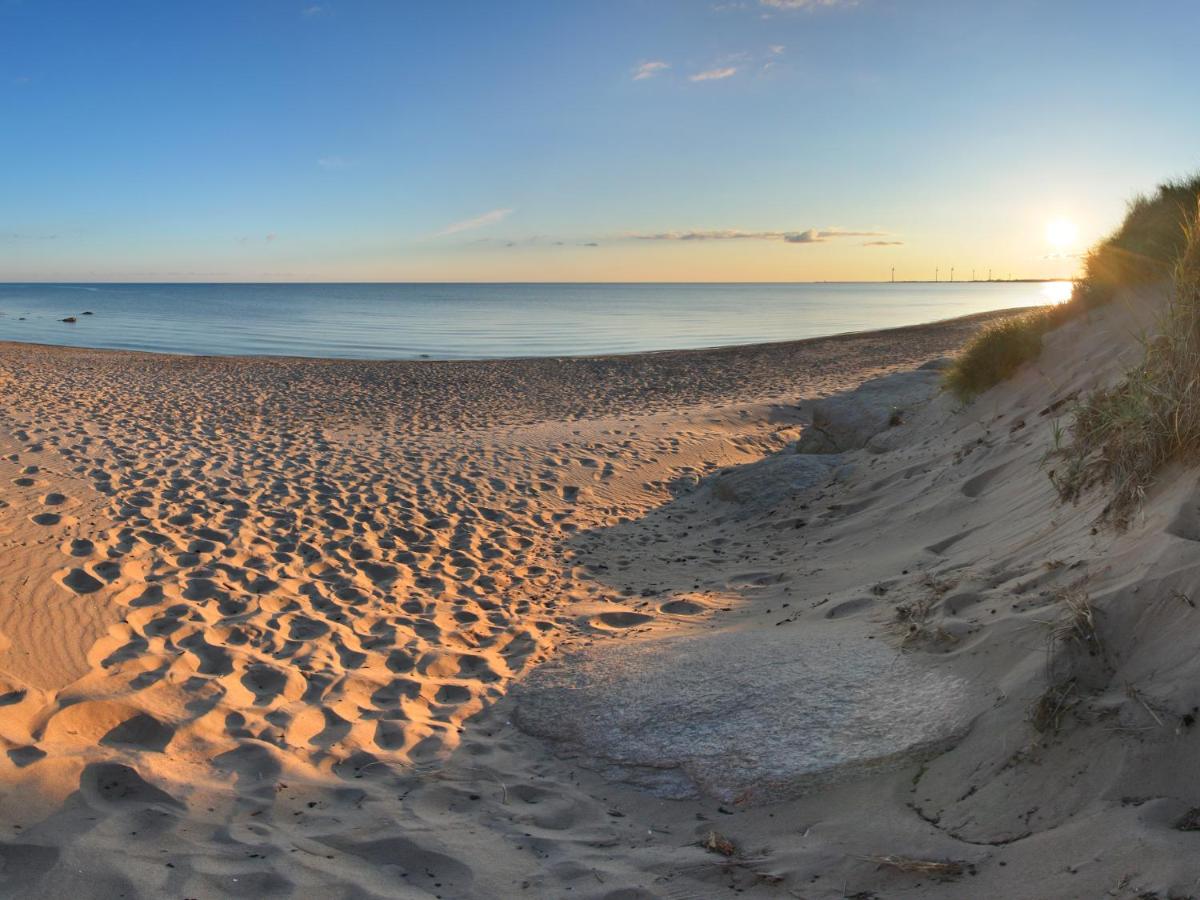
(1000, 348)
(1049, 710)
(1076, 626)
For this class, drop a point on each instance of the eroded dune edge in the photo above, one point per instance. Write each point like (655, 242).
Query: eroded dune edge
(259, 622)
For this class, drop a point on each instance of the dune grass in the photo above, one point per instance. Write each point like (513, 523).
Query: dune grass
(1125, 434)
(1142, 251)
(999, 349)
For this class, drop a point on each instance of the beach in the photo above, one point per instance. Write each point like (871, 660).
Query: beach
(223, 575)
(545, 627)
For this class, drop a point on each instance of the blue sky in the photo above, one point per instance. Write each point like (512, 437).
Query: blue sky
(406, 140)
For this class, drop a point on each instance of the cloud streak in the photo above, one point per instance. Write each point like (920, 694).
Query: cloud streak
(806, 4)
(20, 236)
(650, 69)
(488, 218)
(808, 236)
(714, 74)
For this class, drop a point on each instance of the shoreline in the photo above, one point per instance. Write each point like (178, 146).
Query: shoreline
(970, 318)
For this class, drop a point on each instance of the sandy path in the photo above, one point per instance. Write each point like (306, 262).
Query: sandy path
(248, 606)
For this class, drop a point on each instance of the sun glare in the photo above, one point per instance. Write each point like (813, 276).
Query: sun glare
(1057, 291)
(1062, 233)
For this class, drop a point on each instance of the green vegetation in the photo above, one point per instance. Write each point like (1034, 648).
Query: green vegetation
(1125, 434)
(1142, 251)
(1000, 348)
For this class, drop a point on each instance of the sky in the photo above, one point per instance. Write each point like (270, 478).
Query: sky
(582, 140)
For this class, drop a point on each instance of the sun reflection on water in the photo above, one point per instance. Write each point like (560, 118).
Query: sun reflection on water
(1057, 291)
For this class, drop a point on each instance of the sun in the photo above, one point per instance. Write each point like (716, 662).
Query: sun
(1062, 233)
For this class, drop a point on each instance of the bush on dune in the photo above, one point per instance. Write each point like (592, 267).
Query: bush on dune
(999, 349)
(1142, 251)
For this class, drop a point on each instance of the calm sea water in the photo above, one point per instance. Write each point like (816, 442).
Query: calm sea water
(473, 321)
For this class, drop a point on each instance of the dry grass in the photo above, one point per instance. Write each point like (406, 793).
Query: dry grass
(1076, 627)
(929, 868)
(1125, 434)
(912, 618)
(715, 842)
(1048, 711)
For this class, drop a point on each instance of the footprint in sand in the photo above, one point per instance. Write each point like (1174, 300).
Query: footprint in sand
(80, 547)
(81, 582)
(622, 619)
(682, 608)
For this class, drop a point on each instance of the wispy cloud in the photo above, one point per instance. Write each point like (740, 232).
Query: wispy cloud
(313, 9)
(650, 69)
(535, 240)
(806, 4)
(20, 236)
(488, 218)
(714, 74)
(883, 243)
(334, 162)
(776, 49)
(808, 236)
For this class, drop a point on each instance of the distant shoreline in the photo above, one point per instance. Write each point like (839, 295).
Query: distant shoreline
(957, 324)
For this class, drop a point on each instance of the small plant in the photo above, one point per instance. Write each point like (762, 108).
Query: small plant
(1077, 625)
(912, 621)
(1048, 711)
(715, 842)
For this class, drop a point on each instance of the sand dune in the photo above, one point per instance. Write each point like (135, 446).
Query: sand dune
(260, 617)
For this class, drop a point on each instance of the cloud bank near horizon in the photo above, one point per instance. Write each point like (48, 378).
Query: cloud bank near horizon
(808, 236)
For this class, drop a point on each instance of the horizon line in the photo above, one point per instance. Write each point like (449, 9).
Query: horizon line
(1029, 280)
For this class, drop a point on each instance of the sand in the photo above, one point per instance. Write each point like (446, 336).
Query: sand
(260, 618)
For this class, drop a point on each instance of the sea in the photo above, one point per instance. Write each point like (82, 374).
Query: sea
(479, 321)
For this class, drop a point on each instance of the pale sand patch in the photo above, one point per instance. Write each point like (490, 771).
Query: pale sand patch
(327, 574)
